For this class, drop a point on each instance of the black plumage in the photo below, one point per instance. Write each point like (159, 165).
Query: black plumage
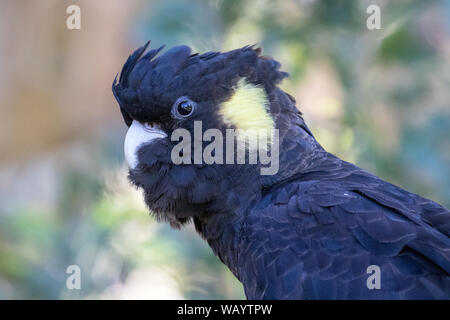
(308, 232)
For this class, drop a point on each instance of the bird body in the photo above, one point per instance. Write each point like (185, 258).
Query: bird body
(319, 228)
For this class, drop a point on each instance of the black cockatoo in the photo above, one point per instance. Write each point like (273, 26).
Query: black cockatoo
(317, 228)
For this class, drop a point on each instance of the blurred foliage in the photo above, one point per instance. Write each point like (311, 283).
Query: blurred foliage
(378, 98)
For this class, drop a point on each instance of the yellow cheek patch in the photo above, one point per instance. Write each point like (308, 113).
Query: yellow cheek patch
(248, 110)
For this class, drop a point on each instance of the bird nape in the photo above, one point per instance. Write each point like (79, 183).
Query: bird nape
(316, 228)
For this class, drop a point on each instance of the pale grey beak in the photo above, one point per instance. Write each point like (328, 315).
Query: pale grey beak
(139, 134)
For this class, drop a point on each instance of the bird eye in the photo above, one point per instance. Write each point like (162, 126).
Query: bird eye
(183, 107)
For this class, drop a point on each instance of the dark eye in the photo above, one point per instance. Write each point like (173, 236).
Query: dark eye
(183, 107)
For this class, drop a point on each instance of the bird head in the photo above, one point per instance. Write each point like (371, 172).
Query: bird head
(165, 96)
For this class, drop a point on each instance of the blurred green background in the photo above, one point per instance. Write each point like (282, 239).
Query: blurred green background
(377, 98)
